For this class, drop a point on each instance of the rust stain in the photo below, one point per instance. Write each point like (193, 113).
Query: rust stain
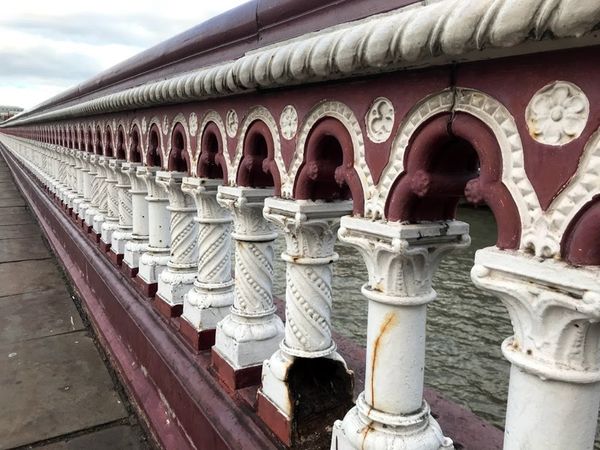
(388, 322)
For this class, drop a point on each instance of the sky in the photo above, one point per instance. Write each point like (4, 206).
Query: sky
(49, 46)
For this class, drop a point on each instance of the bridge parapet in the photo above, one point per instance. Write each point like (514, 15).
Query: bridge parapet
(369, 131)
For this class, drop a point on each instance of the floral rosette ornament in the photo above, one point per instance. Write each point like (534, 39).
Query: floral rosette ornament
(557, 113)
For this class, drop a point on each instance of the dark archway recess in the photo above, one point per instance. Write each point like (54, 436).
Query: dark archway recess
(581, 241)
(121, 144)
(108, 148)
(257, 167)
(327, 172)
(447, 159)
(154, 156)
(99, 149)
(135, 153)
(90, 141)
(211, 163)
(179, 159)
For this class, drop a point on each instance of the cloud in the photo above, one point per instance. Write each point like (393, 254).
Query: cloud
(47, 47)
(46, 63)
(140, 30)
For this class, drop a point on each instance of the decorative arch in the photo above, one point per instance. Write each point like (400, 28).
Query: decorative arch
(497, 119)
(156, 123)
(212, 123)
(179, 156)
(109, 142)
(154, 155)
(342, 113)
(134, 149)
(182, 120)
(327, 171)
(258, 114)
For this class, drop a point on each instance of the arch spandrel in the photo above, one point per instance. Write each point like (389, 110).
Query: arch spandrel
(494, 116)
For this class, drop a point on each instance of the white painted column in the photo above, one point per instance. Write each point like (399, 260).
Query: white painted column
(124, 232)
(210, 300)
(139, 239)
(401, 262)
(309, 229)
(178, 278)
(78, 182)
(111, 218)
(156, 257)
(252, 331)
(101, 194)
(92, 210)
(86, 185)
(72, 178)
(554, 390)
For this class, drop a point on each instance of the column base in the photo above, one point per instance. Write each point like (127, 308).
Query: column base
(365, 428)
(134, 249)
(203, 310)
(151, 265)
(234, 378)
(119, 239)
(172, 286)
(197, 339)
(108, 228)
(248, 341)
(90, 213)
(98, 220)
(300, 397)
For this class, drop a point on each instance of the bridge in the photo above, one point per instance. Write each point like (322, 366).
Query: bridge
(163, 182)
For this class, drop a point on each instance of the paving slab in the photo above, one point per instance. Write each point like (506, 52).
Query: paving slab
(118, 438)
(19, 231)
(16, 215)
(12, 201)
(10, 192)
(54, 386)
(38, 314)
(29, 276)
(21, 249)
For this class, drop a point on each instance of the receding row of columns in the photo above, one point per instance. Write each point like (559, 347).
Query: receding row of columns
(176, 233)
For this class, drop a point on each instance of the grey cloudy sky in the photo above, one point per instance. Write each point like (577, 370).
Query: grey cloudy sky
(46, 47)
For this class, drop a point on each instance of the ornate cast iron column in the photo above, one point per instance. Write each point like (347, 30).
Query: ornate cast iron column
(79, 166)
(124, 231)
(252, 331)
(156, 257)
(92, 210)
(210, 300)
(178, 278)
(111, 220)
(401, 261)
(139, 238)
(86, 184)
(554, 389)
(310, 232)
(101, 196)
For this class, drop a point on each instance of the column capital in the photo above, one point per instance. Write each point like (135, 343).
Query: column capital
(309, 227)
(204, 192)
(137, 186)
(555, 311)
(156, 191)
(401, 259)
(171, 183)
(246, 204)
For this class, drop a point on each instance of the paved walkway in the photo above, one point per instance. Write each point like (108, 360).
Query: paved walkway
(56, 391)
